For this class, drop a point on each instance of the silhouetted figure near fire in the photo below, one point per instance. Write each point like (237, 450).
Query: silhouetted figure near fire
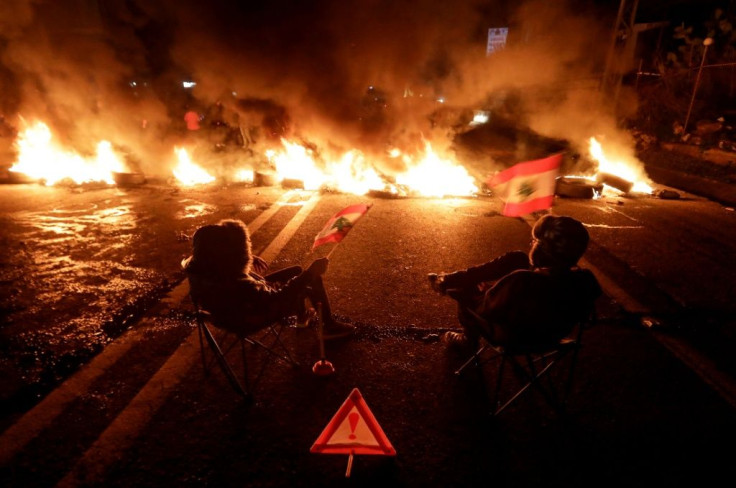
(225, 280)
(524, 298)
(191, 119)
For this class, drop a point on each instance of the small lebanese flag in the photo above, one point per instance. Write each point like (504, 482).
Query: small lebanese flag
(340, 224)
(527, 187)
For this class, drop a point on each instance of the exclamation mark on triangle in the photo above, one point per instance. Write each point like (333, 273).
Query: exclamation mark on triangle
(353, 418)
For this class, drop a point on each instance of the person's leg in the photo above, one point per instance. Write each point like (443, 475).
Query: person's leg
(317, 294)
(469, 324)
(284, 275)
(467, 300)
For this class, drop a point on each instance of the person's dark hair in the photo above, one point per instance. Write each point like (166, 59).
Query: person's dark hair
(223, 249)
(559, 242)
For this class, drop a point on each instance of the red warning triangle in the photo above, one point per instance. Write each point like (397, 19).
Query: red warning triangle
(353, 430)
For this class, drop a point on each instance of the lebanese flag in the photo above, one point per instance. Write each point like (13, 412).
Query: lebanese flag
(340, 224)
(527, 187)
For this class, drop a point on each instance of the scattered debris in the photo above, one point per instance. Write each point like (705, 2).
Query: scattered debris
(650, 322)
(431, 338)
(385, 194)
(703, 127)
(667, 194)
(677, 128)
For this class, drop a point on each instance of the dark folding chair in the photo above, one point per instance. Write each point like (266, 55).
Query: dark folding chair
(532, 363)
(269, 341)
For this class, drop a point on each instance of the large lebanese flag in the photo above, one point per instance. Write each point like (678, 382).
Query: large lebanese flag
(527, 187)
(340, 224)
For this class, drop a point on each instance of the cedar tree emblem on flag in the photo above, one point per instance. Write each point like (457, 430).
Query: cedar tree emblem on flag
(527, 187)
(340, 224)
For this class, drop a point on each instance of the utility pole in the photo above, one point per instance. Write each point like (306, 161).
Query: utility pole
(707, 42)
(622, 31)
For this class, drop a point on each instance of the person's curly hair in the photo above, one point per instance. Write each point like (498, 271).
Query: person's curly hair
(223, 249)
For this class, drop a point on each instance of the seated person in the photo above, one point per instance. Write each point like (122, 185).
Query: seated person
(224, 280)
(525, 299)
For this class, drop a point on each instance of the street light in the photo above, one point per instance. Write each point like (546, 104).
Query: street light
(707, 42)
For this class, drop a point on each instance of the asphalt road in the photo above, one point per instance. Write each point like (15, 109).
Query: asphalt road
(653, 401)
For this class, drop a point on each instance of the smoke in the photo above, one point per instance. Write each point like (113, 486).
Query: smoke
(365, 74)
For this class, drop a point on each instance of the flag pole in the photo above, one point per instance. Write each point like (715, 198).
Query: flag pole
(332, 250)
(323, 367)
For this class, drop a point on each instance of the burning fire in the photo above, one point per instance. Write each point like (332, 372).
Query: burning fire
(426, 173)
(437, 177)
(188, 173)
(429, 175)
(40, 158)
(628, 171)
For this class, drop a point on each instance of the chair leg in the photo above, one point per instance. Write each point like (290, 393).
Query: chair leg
(532, 377)
(497, 394)
(548, 393)
(201, 345)
(571, 372)
(246, 376)
(472, 359)
(220, 357)
(270, 349)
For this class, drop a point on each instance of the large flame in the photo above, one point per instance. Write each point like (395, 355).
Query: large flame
(437, 177)
(40, 158)
(427, 174)
(296, 162)
(628, 170)
(187, 172)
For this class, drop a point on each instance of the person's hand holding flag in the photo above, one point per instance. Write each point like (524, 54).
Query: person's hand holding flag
(340, 224)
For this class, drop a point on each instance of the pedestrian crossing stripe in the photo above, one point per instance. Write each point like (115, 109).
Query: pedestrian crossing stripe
(353, 430)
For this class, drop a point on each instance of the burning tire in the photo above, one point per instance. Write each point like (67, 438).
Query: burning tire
(129, 179)
(576, 188)
(617, 182)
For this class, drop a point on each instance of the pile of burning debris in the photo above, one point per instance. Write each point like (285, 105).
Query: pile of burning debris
(424, 173)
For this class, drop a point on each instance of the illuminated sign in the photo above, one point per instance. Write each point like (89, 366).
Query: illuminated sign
(496, 39)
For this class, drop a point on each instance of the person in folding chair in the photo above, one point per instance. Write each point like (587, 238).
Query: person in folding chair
(526, 306)
(224, 279)
(521, 298)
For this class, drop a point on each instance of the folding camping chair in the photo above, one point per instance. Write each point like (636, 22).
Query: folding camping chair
(230, 339)
(531, 363)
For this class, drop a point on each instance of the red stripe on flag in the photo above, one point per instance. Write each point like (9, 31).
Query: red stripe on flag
(334, 237)
(332, 233)
(519, 209)
(357, 208)
(525, 169)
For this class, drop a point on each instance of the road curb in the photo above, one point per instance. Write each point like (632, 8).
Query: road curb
(717, 191)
